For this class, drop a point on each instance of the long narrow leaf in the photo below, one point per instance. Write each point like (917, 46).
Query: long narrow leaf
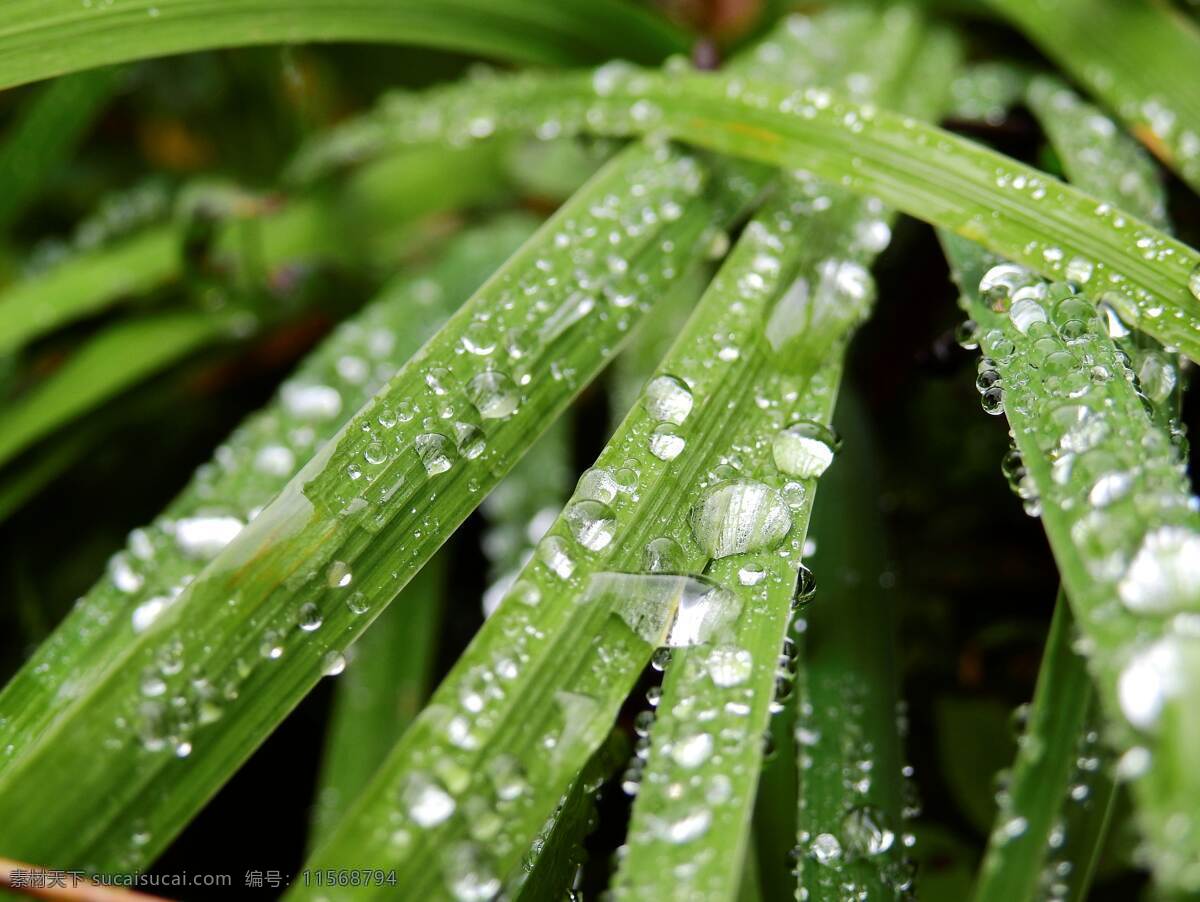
(1118, 511)
(1008, 207)
(347, 226)
(1057, 799)
(39, 40)
(248, 471)
(819, 274)
(45, 134)
(1138, 56)
(261, 621)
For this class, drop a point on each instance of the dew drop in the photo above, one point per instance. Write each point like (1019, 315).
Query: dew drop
(494, 394)
(665, 444)
(593, 523)
(668, 399)
(729, 665)
(805, 449)
(435, 451)
(663, 555)
(739, 516)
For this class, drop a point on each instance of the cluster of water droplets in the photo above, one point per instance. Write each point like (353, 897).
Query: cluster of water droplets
(1114, 486)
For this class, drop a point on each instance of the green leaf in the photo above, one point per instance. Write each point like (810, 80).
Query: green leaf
(357, 224)
(1008, 207)
(255, 463)
(186, 694)
(1117, 509)
(386, 681)
(707, 733)
(39, 41)
(849, 751)
(1132, 54)
(115, 359)
(1058, 795)
(47, 130)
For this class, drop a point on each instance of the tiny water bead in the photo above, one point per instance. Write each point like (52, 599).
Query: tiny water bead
(668, 399)
(805, 449)
(738, 516)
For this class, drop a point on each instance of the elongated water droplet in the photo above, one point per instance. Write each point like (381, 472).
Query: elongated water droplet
(435, 451)
(805, 448)
(666, 610)
(739, 516)
(593, 523)
(1164, 574)
(668, 399)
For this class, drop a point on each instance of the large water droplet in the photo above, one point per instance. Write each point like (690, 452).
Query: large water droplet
(668, 399)
(1164, 574)
(425, 801)
(593, 523)
(494, 395)
(666, 610)
(1148, 680)
(739, 516)
(805, 449)
(435, 451)
(204, 537)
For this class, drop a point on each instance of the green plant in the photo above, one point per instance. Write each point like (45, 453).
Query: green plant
(714, 234)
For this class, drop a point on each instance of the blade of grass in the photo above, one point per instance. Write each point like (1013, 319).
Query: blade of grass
(467, 774)
(369, 509)
(1118, 511)
(46, 132)
(1061, 788)
(724, 751)
(1055, 807)
(1131, 54)
(386, 681)
(39, 41)
(1008, 207)
(118, 357)
(548, 871)
(354, 224)
(849, 751)
(248, 471)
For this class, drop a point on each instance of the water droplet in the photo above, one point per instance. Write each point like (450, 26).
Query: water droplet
(1148, 680)
(1164, 574)
(1025, 312)
(204, 537)
(338, 575)
(333, 664)
(665, 444)
(597, 484)
(435, 451)
(668, 399)
(805, 449)
(309, 618)
(494, 395)
(825, 848)
(992, 401)
(426, 802)
(806, 587)
(555, 553)
(692, 751)
(864, 833)
(751, 574)
(729, 665)
(593, 523)
(1194, 282)
(739, 516)
(667, 610)
(663, 555)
